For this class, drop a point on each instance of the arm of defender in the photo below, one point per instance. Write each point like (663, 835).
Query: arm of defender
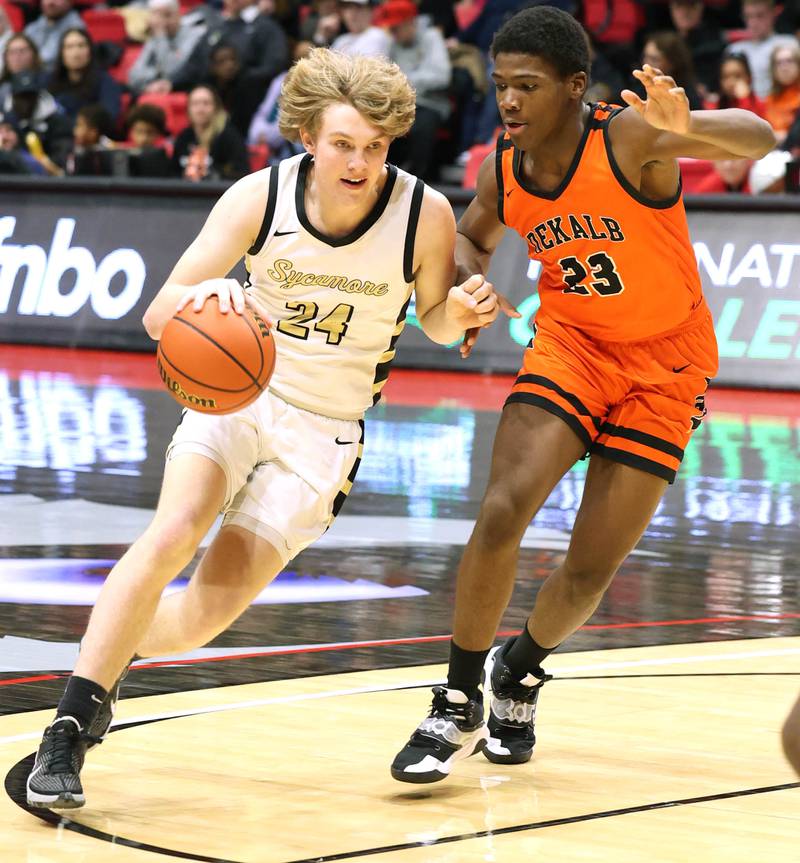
(667, 129)
(229, 231)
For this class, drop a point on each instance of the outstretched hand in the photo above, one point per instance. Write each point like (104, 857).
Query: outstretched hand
(666, 106)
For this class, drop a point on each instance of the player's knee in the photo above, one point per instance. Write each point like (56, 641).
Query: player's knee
(499, 522)
(170, 544)
(791, 742)
(588, 579)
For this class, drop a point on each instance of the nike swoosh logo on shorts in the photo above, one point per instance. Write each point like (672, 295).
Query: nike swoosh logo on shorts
(678, 371)
(95, 698)
(344, 442)
(284, 233)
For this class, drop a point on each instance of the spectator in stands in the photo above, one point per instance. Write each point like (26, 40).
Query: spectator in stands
(361, 37)
(736, 86)
(420, 51)
(147, 127)
(209, 147)
(440, 14)
(264, 126)
(57, 17)
(704, 40)
(669, 53)
(170, 44)
(323, 23)
(240, 90)
(261, 43)
(44, 130)
(78, 79)
(91, 143)
(759, 18)
(783, 102)
(14, 158)
(6, 33)
(20, 55)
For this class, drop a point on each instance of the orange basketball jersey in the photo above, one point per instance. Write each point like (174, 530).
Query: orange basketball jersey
(614, 264)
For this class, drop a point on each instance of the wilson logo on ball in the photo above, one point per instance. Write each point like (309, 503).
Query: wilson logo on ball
(180, 393)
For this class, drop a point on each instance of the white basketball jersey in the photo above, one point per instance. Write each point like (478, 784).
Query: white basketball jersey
(339, 303)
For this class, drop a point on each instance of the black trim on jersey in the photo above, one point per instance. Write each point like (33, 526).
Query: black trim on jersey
(269, 213)
(628, 458)
(411, 231)
(622, 180)
(576, 403)
(643, 438)
(382, 369)
(561, 187)
(503, 144)
(341, 497)
(544, 403)
(375, 213)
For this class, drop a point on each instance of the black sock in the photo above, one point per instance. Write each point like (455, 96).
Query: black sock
(464, 672)
(525, 655)
(82, 699)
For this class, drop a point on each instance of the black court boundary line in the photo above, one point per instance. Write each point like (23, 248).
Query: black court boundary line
(16, 777)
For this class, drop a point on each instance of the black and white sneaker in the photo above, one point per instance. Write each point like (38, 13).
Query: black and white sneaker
(98, 729)
(55, 781)
(453, 730)
(512, 709)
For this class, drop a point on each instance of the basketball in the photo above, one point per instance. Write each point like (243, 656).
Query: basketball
(215, 363)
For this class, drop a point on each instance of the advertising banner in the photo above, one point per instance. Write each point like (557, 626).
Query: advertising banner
(79, 268)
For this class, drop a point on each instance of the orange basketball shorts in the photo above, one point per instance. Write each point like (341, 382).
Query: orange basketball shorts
(636, 403)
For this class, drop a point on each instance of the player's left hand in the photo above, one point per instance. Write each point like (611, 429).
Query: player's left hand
(666, 107)
(475, 304)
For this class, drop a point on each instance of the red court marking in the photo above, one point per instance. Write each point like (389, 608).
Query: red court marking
(423, 639)
(414, 387)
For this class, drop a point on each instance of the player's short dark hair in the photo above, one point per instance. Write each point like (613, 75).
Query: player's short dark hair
(545, 32)
(96, 117)
(153, 115)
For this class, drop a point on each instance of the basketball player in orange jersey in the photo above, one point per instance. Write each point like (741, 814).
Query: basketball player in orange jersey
(623, 351)
(335, 241)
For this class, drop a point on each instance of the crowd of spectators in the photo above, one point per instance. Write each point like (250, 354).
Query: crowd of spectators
(183, 88)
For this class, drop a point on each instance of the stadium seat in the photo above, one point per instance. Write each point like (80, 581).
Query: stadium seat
(173, 105)
(258, 155)
(695, 174)
(129, 55)
(476, 156)
(105, 25)
(16, 18)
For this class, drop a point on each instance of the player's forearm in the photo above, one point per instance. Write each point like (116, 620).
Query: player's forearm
(733, 131)
(470, 259)
(162, 309)
(438, 327)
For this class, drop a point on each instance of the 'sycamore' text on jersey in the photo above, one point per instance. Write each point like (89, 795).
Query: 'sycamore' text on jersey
(616, 265)
(338, 303)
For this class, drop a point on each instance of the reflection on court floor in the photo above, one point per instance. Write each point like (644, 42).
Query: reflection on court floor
(658, 740)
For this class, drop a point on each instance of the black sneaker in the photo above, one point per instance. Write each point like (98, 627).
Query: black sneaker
(512, 709)
(55, 781)
(453, 730)
(98, 729)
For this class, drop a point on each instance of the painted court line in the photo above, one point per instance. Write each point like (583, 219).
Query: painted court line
(562, 674)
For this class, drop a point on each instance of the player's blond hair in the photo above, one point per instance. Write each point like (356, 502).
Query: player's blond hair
(376, 88)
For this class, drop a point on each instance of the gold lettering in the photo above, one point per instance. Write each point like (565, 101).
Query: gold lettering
(284, 275)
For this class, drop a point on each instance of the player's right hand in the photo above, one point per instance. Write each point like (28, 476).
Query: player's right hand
(229, 293)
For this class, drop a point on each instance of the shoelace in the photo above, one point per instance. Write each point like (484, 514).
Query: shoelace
(527, 694)
(63, 746)
(446, 709)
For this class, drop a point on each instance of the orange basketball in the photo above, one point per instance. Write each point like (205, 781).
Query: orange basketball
(216, 363)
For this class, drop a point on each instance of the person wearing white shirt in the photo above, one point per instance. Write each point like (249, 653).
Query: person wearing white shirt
(362, 38)
(759, 18)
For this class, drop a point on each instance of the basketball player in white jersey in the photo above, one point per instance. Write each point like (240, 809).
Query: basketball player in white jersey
(335, 242)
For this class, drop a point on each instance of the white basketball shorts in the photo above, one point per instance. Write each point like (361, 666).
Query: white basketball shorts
(288, 470)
